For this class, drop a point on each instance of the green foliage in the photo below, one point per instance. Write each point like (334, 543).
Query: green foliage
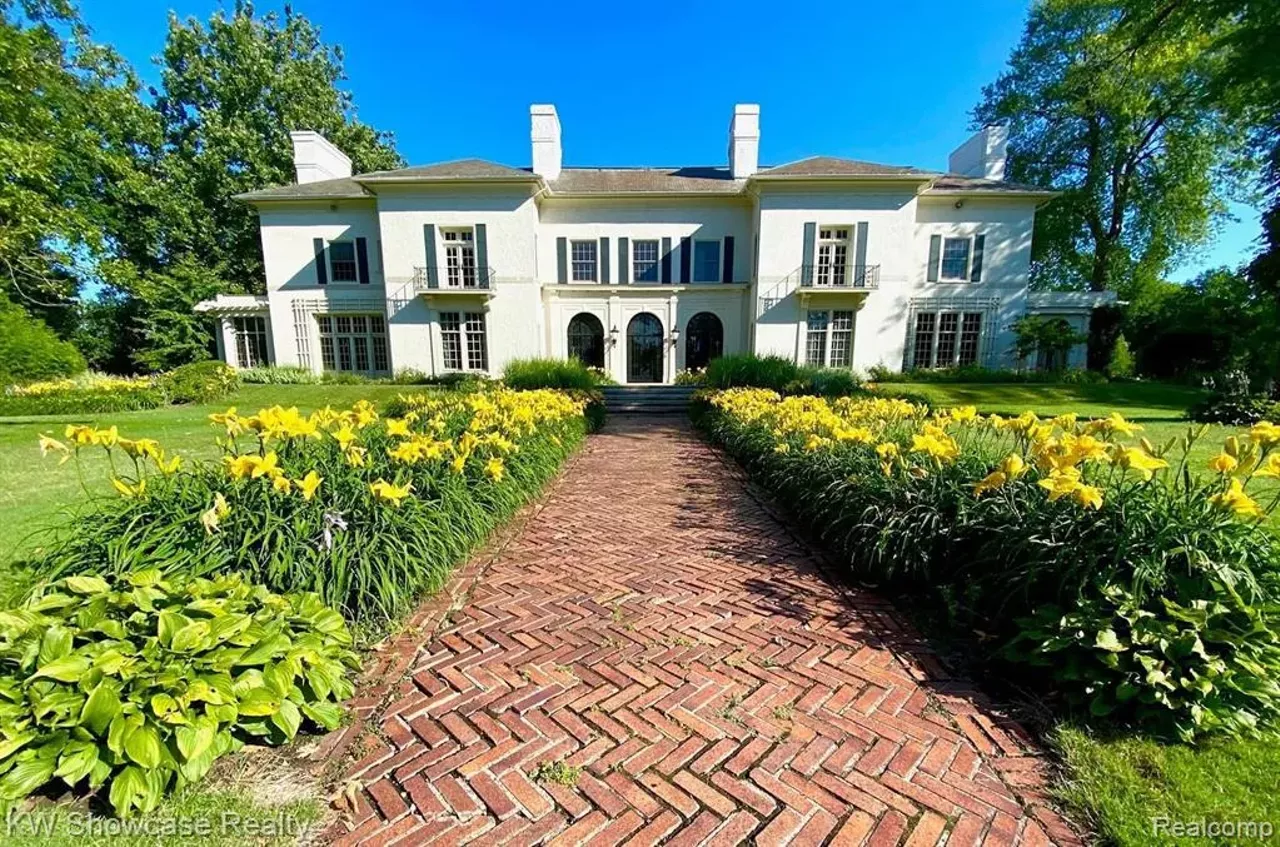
(79, 402)
(691, 377)
(549, 373)
(747, 370)
(199, 382)
(1039, 334)
(137, 685)
(557, 772)
(371, 558)
(1127, 128)
(1120, 365)
(30, 351)
(1157, 609)
(1231, 401)
(977, 375)
(279, 375)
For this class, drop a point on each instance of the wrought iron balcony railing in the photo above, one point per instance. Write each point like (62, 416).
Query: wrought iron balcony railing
(453, 279)
(840, 277)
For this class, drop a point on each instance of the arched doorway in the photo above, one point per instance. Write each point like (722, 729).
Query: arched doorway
(644, 349)
(704, 340)
(586, 340)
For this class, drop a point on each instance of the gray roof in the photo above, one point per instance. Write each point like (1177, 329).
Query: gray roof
(955, 182)
(326, 189)
(462, 169)
(819, 166)
(692, 180)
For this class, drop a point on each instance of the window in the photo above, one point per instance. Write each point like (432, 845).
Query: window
(251, 342)
(829, 339)
(706, 261)
(833, 256)
(354, 343)
(644, 261)
(465, 347)
(955, 258)
(946, 339)
(342, 261)
(584, 261)
(459, 258)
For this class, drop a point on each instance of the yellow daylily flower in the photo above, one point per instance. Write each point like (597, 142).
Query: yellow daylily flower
(990, 482)
(1269, 468)
(169, 467)
(1013, 466)
(213, 516)
(1235, 499)
(459, 463)
(1060, 483)
(308, 484)
(1140, 460)
(281, 484)
(357, 457)
(141, 447)
(127, 490)
(1088, 496)
(49, 445)
(390, 492)
(397, 426)
(1223, 463)
(494, 469)
(79, 435)
(1264, 434)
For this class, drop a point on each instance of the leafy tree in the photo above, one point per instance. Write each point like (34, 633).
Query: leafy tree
(232, 90)
(1050, 336)
(1121, 365)
(1130, 132)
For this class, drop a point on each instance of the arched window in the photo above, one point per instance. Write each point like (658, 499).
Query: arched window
(644, 349)
(704, 340)
(586, 340)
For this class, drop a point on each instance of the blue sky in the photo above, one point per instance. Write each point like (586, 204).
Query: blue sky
(655, 83)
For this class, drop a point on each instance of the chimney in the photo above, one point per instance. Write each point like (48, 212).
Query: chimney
(983, 155)
(314, 158)
(744, 140)
(545, 126)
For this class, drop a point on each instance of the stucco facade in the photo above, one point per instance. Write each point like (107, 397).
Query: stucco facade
(642, 272)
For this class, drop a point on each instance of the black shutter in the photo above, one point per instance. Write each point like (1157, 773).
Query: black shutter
(429, 242)
(624, 261)
(935, 257)
(604, 261)
(322, 271)
(727, 271)
(562, 260)
(806, 267)
(978, 243)
(666, 261)
(686, 258)
(482, 256)
(860, 256)
(362, 260)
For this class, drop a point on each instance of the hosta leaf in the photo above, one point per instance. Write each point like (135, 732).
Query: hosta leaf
(51, 602)
(86, 584)
(1107, 640)
(101, 708)
(128, 790)
(13, 744)
(143, 746)
(265, 650)
(168, 626)
(163, 704)
(26, 776)
(66, 669)
(190, 637)
(259, 702)
(288, 719)
(326, 715)
(150, 576)
(77, 761)
(194, 769)
(55, 644)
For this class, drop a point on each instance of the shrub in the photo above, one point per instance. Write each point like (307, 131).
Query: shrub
(1121, 365)
(976, 374)
(199, 382)
(87, 393)
(1141, 590)
(825, 382)
(549, 373)
(367, 512)
(140, 683)
(30, 350)
(279, 375)
(746, 370)
(692, 376)
(412, 376)
(1230, 401)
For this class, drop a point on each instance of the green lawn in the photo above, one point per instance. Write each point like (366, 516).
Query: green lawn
(1118, 786)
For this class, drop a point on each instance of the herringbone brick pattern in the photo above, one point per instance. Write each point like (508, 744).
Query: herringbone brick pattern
(655, 626)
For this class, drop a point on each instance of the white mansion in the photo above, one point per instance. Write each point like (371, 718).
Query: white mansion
(465, 265)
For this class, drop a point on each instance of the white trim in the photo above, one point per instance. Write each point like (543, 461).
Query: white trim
(595, 248)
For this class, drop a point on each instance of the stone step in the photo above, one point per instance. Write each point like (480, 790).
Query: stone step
(647, 399)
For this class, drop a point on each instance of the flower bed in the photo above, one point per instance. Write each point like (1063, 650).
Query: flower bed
(368, 512)
(1073, 550)
(94, 393)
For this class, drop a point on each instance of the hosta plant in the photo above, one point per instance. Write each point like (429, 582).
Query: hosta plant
(135, 686)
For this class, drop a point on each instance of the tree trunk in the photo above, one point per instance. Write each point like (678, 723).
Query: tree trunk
(1100, 276)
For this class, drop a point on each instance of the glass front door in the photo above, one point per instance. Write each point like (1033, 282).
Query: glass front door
(644, 349)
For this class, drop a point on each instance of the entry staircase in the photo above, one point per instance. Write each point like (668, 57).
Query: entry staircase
(647, 399)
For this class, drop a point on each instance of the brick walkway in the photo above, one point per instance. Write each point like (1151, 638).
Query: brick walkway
(655, 626)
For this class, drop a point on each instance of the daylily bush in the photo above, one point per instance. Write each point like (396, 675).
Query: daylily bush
(368, 512)
(1144, 589)
(136, 686)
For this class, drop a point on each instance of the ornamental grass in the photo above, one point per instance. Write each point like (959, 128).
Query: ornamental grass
(368, 512)
(1079, 556)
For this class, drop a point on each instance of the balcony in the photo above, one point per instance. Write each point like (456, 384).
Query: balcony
(839, 277)
(454, 280)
